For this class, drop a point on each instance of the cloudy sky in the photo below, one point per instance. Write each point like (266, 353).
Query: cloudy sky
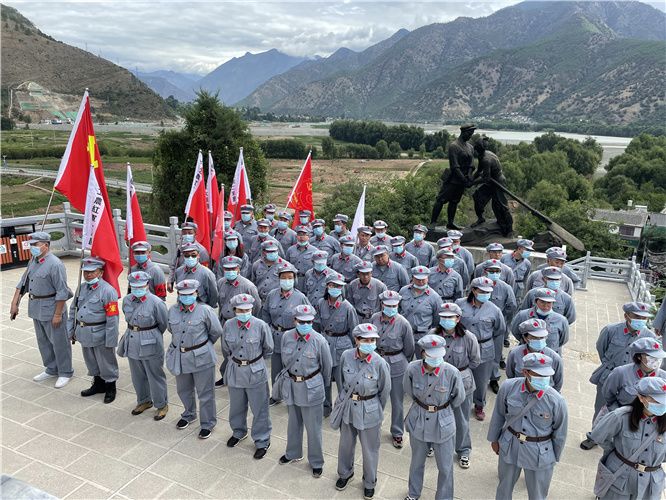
(198, 36)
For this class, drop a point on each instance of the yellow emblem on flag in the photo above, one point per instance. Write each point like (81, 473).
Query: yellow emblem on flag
(91, 151)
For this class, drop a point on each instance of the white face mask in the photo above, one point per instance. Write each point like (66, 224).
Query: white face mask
(650, 362)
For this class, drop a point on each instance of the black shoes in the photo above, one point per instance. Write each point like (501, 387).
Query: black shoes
(261, 452)
(506, 343)
(233, 441)
(368, 493)
(341, 484)
(588, 444)
(205, 433)
(98, 386)
(317, 472)
(110, 392)
(182, 424)
(478, 222)
(284, 460)
(273, 402)
(397, 442)
(494, 386)
(220, 383)
(502, 365)
(451, 225)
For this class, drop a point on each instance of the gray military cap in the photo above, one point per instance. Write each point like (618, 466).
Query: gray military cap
(303, 229)
(380, 250)
(444, 242)
(270, 245)
(318, 222)
(397, 240)
(38, 237)
(141, 245)
(336, 278)
(534, 327)
(285, 215)
(189, 225)
(264, 222)
(545, 294)
(494, 247)
(655, 387)
(305, 212)
(364, 229)
(242, 300)
(365, 331)
(492, 264)
(137, 279)
(637, 308)
(390, 298)
(320, 257)
(420, 272)
(556, 253)
(528, 244)
(539, 363)
(187, 287)
(454, 234)
(553, 273)
(450, 309)
(286, 267)
(232, 261)
(380, 224)
(247, 209)
(445, 251)
(648, 346)
(304, 312)
(93, 263)
(347, 240)
(363, 267)
(189, 247)
(340, 218)
(433, 345)
(482, 283)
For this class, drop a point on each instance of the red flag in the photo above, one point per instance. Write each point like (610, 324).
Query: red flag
(134, 230)
(240, 189)
(218, 237)
(73, 176)
(196, 207)
(300, 197)
(212, 194)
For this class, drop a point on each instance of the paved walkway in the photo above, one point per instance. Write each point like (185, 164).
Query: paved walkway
(74, 447)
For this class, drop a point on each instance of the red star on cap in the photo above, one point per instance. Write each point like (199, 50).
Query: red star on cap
(494, 262)
(643, 307)
(542, 361)
(184, 285)
(536, 324)
(89, 262)
(137, 276)
(656, 346)
(434, 342)
(369, 327)
(244, 299)
(496, 244)
(305, 309)
(270, 243)
(421, 270)
(447, 306)
(664, 387)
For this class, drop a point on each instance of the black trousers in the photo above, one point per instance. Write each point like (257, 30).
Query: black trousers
(500, 206)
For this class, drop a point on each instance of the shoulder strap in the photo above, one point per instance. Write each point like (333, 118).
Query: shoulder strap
(353, 383)
(421, 304)
(433, 385)
(524, 411)
(130, 321)
(644, 445)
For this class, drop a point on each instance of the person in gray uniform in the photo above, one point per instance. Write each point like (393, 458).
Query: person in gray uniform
(340, 227)
(254, 245)
(364, 249)
(462, 352)
(307, 370)
(436, 389)
(228, 219)
(422, 250)
(420, 303)
(367, 385)
(519, 262)
(336, 321)
(363, 293)
(557, 257)
(305, 219)
(300, 254)
(192, 270)
(283, 233)
(143, 345)
(564, 304)
(494, 251)
(396, 346)
(484, 319)
(535, 334)
(247, 342)
(461, 252)
(528, 429)
(612, 346)
(264, 271)
(633, 441)
(557, 325)
(191, 356)
(392, 274)
(48, 292)
(402, 256)
(269, 214)
(157, 283)
(323, 241)
(93, 322)
(345, 262)
(457, 264)
(314, 284)
(277, 313)
(246, 227)
(380, 237)
(188, 231)
(446, 282)
(233, 247)
(659, 321)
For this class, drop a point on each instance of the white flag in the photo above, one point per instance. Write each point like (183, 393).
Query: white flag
(209, 184)
(196, 182)
(240, 177)
(95, 208)
(359, 216)
(129, 224)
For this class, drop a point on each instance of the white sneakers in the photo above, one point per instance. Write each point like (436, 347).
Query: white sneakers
(43, 376)
(62, 382)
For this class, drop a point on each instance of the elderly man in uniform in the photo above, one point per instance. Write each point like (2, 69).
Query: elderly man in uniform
(380, 237)
(422, 250)
(188, 231)
(300, 254)
(269, 214)
(143, 345)
(93, 321)
(420, 303)
(494, 251)
(264, 271)
(340, 227)
(520, 264)
(446, 282)
(555, 257)
(535, 333)
(364, 248)
(528, 429)
(46, 283)
(315, 278)
(247, 342)
(454, 262)
(345, 261)
(157, 283)
(402, 256)
(613, 348)
(283, 233)
(323, 241)
(192, 270)
(461, 252)
(392, 274)
(191, 356)
(246, 226)
(430, 420)
(556, 324)
(307, 370)
(564, 304)
(457, 177)
(396, 345)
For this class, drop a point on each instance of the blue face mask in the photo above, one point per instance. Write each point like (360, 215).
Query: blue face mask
(367, 348)
(656, 409)
(232, 244)
(92, 281)
(187, 300)
(335, 292)
(541, 313)
(420, 287)
(418, 237)
(227, 224)
(347, 250)
(398, 250)
(141, 259)
(319, 267)
(380, 235)
(305, 220)
(231, 275)
(35, 250)
(494, 276)
(483, 297)
(272, 256)
(434, 362)
(188, 238)
(246, 217)
(282, 225)
(638, 324)
(390, 311)
(537, 345)
(270, 217)
(302, 243)
(553, 285)
(304, 329)
(338, 228)
(318, 231)
(455, 247)
(263, 236)
(244, 317)
(447, 323)
(286, 284)
(540, 383)
(449, 262)
(526, 254)
(190, 261)
(139, 292)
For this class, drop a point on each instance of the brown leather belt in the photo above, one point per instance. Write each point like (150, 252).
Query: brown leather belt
(356, 397)
(81, 323)
(365, 316)
(636, 465)
(246, 362)
(331, 334)
(415, 332)
(523, 437)
(298, 378)
(385, 353)
(300, 274)
(140, 329)
(432, 408)
(279, 328)
(518, 281)
(188, 349)
(447, 298)
(463, 368)
(41, 296)
(484, 341)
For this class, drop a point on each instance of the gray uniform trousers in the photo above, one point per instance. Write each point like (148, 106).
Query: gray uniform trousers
(370, 440)
(481, 376)
(101, 362)
(310, 417)
(463, 438)
(149, 380)
(537, 481)
(443, 452)
(204, 383)
(397, 406)
(257, 397)
(54, 346)
(336, 374)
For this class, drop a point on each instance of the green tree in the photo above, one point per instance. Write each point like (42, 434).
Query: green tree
(328, 147)
(382, 149)
(7, 123)
(547, 197)
(422, 151)
(395, 149)
(439, 152)
(655, 237)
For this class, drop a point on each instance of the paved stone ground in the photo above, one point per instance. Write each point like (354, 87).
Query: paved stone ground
(74, 447)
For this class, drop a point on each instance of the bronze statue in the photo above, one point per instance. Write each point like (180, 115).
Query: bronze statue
(457, 177)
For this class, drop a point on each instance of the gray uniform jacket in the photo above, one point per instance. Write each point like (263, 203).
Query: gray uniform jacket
(314, 284)
(327, 243)
(534, 281)
(337, 236)
(152, 311)
(395, 336)
(305, 355)
(344, 264)
(207, 290)
(227, 289)
(568, 272)
(563, 304)
(465, 255)
(365, 299)
(485, 322)
(448, 283)
(548, 417)
(179, 260)
(246, 342)
(287, 238)
(461, 352)
(266, 277)
(301, 258)
(278, 311)
(406, 260)
(422, 311)
(246, 267)
(157, 283)
(506, 274)
(459, 266)
(255, 247)
(386, 241)
(247, 231)
(620, 386)
(393, 275)
(376, 380)
(439, 426)
(502, 296)
(514, 365)
(336, 318)
(98, 303)
(521, 270)
(659, 321)
(423, 251)
(556, 324)
(193, 326)
(365, 253)
(47, 276)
